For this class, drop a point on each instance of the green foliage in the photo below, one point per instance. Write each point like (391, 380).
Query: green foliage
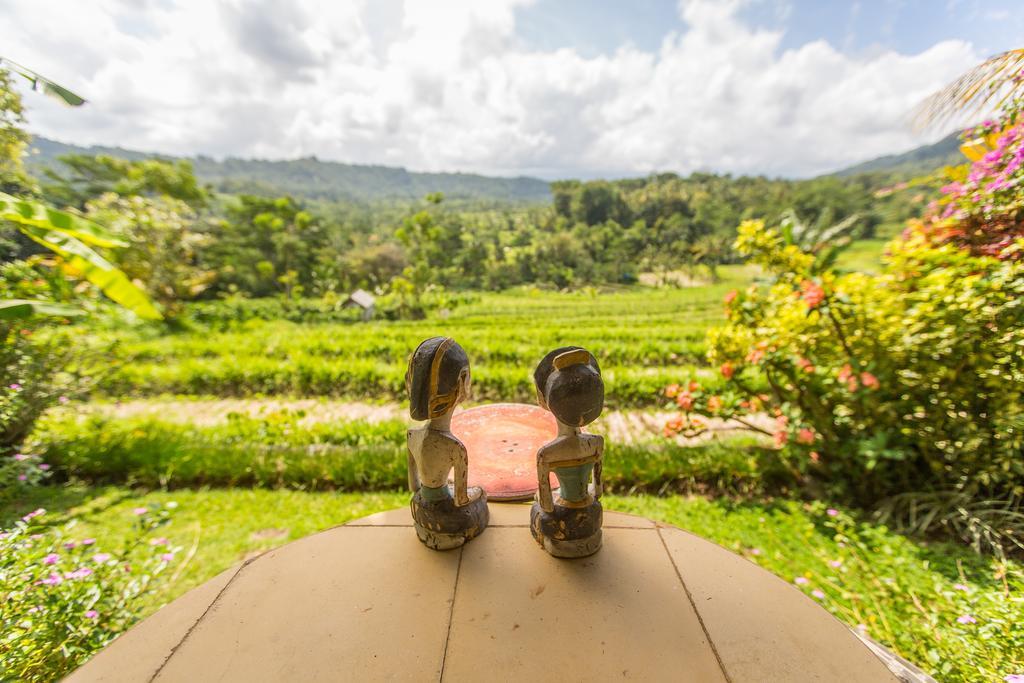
(162, 246)
(83, 178)
(65, 598)
(13, 137)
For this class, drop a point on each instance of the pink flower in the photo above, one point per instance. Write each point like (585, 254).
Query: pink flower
(801, 581)
(35, 513)
(835, 564)
(1014, 678)
(960, 587)
(813, 294)
(44, 466)
(814, 456)
(70, 545)
(818, 594)
(91, 614)
(79, 573)
(832, 512)
(167, 557)
(966, 619)
(158, 541)
(672, 390)
(51, 580)
(755, 356)
(730, 297)
(63, 400)
(685, 400)
(88, 541)
(22, 477)
(21, 457)
(755, 551)
(51, 558)
(15, 387)
(727, 370)
(780, 438)
(805, 436)
(3, 535)
(869, 381)
(138, 512)
(805, 365)
(100, 558)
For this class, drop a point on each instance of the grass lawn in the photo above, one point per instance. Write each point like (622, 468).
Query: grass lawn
(908, 595)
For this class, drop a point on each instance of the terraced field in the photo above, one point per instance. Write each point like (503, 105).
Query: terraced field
(644, 338)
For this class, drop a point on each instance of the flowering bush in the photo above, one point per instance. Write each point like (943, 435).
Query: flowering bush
(64, 598)
(912, 380)
(982, 206)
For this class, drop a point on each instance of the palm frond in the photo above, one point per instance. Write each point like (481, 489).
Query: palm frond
(45, 85)
(984, 88)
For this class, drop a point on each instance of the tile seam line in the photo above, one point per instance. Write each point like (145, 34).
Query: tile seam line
(216, 599)
(451, 611)
(700, 618)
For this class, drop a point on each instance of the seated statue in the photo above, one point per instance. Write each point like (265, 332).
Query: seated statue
(569, 384)
(438, 380)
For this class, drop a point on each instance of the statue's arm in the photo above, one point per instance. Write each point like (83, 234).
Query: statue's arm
(414, 474)
(598, 464)
(461, 465)
(544, 495)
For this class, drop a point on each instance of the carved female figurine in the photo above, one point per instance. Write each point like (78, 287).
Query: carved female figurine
(569, 384)
(438, 380)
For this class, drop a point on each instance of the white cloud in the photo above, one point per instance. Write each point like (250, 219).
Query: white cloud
(449, 86)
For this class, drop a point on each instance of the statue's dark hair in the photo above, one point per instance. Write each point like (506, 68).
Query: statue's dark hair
(417, 377)
(575, 393)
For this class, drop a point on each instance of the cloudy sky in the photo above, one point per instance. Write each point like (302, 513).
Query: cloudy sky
(553, 88)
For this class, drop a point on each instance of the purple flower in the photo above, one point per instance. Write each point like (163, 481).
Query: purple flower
(960, 587)
(70, 545)
(91, 614)
(51, 580)
(835, 564)
(800, 581)
(167, 557)
(63, 400)
(100, 558)
(966, 619)
(79, 573)
(832, 512)
(43, 466)
(158, 541)
(1014, 678)
(15, 387)
(22, 477)
(818, 594)
(138, 512)
(35, 513)
(755, 551)
(20, 457)
(51, 558)
(88, 541)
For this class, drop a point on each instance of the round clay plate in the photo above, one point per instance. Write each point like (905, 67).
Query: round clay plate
(502, 441)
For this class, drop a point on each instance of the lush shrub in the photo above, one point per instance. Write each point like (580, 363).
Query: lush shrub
(39, 367)
(62, 598)
(909, 381)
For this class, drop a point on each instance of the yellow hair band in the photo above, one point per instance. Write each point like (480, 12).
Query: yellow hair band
(570, 358)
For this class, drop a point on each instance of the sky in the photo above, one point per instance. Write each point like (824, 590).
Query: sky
(547, 88)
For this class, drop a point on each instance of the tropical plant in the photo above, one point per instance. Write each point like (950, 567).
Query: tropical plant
(987, 87)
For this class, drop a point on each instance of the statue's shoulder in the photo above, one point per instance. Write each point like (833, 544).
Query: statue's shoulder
(595, 440)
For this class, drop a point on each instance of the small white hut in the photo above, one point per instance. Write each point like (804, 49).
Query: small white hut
(363, 300)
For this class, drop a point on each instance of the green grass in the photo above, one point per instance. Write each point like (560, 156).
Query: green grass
(644, 338)
(276, 451)
(903, 592)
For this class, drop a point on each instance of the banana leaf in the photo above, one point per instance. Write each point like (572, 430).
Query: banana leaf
(17, 309)
(28, 212)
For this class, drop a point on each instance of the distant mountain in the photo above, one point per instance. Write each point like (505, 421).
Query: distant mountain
(917, 161)
(317, 179)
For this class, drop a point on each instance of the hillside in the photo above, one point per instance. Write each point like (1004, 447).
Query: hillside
(317, 179)
(918, 161)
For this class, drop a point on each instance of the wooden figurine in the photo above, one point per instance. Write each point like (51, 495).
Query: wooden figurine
(569, 384)
(437, 380)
